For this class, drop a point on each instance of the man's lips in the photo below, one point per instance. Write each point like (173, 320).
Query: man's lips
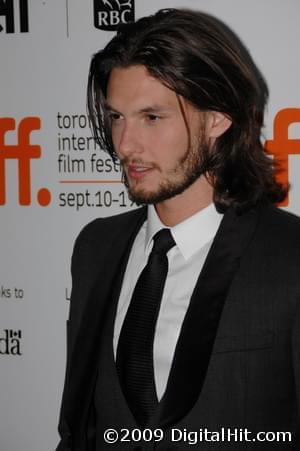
(138, 171)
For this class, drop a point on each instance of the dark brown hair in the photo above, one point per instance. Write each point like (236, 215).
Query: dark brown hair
(202, 60)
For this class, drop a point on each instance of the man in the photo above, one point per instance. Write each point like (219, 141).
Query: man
(184, 313)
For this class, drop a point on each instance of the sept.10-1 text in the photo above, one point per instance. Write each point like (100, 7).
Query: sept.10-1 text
(86, 198)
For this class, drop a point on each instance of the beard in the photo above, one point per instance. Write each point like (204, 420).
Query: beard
(184, 173)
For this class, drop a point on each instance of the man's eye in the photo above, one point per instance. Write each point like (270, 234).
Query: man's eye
(114, 117)
(153, 117)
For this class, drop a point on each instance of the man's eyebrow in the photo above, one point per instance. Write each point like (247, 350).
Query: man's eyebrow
(149, 109)
(108, 107)
(156, 109)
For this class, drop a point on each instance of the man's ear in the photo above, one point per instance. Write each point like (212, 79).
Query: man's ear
(217, 124)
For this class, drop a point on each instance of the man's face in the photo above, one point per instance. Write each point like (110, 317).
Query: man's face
(155, 133)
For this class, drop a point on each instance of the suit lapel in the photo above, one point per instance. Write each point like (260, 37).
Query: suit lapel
(84, 359)
(200, 325)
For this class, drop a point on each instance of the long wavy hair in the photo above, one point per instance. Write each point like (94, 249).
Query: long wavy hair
(202, 60)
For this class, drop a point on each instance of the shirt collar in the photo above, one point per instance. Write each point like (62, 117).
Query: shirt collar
(191, 234)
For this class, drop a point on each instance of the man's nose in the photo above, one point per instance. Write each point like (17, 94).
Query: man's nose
(129, 141)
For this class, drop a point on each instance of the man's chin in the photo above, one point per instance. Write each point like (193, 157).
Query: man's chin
(142, 197)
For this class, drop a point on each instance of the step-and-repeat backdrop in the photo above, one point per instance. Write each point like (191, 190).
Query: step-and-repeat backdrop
(54, 179)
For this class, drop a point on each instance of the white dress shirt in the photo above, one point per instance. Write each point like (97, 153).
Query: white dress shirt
(193, 238)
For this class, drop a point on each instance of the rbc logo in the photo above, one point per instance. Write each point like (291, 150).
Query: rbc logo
(23, 152)
(7, 10)
(109, 14)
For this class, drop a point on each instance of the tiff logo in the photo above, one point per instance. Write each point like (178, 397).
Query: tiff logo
(23, 152)
(10, 343)
(281, 146)
(8, 9)
(109, 14)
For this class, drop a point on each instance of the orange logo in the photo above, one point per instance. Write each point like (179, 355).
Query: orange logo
(23, 152)
(281, 146)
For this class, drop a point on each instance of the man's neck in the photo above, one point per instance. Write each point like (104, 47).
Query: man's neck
(178, 208)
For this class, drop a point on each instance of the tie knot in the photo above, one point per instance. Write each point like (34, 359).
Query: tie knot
(163, 241)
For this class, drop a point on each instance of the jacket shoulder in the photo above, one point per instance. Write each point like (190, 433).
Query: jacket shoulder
(281, 222)
(109, 226)
(278, 234)
(93, 250)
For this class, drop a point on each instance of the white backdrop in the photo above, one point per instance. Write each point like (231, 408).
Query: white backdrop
(53, 180)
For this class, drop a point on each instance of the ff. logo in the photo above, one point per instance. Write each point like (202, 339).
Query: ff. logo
(281, 146)
(23, 152)
(109, 14)
(7, 10)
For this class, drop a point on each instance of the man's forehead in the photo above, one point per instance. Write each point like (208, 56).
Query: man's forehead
(136, 80)
(134, 87)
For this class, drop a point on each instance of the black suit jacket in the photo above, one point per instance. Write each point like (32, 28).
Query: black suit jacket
(237, 361)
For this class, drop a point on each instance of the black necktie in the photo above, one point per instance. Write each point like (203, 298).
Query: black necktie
(135, 347)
